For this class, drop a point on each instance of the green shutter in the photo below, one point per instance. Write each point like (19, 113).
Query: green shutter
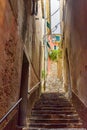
(48, 25)
(57, 38)
(48, 45)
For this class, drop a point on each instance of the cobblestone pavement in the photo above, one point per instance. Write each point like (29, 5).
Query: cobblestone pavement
(53, 84)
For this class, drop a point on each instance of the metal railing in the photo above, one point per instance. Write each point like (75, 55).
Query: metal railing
(34, 88)
(10, 110)
(17, 103)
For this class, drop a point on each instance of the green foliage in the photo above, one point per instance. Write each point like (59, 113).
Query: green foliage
(55, 54)
(43, 74)
(60, 53)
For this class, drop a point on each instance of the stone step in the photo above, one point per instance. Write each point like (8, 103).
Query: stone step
(33, 128)
(55, 121)
(52, 100)
(53, 112)
(55, 125)
(52, 105)
(53, 108)
(55, 117)
(46, 107)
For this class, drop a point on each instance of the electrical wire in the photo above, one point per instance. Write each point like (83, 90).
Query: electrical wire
(52, 30)
(56, 26)
(53, 13)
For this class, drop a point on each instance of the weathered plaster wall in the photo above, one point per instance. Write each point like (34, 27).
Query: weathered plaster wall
(75, 45)
(32, 40)
(31, 34)
(10, 58)
(19, 32)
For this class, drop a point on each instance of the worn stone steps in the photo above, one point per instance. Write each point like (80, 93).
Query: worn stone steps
(54, 111)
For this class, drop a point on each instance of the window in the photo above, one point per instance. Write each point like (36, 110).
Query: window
(34, 7)
(55, 47)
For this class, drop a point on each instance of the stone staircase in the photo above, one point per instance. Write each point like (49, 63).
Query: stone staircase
(53, 111)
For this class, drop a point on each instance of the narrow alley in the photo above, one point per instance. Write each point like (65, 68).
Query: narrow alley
(54, 111)
(43, 66)
(53, 84)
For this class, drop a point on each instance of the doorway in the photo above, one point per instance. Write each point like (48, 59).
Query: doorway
(23, 92)
(69, 89)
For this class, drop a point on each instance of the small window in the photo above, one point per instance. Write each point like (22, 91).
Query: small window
(34, 7)
(55, 47)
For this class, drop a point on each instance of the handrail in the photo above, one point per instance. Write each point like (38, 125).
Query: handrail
(34, 88)
(12, 108)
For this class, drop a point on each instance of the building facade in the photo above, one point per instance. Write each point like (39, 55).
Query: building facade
(20, 60)
(74, 30)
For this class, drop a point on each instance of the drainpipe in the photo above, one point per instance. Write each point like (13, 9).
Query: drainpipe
(44, 41)
(50, 16)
